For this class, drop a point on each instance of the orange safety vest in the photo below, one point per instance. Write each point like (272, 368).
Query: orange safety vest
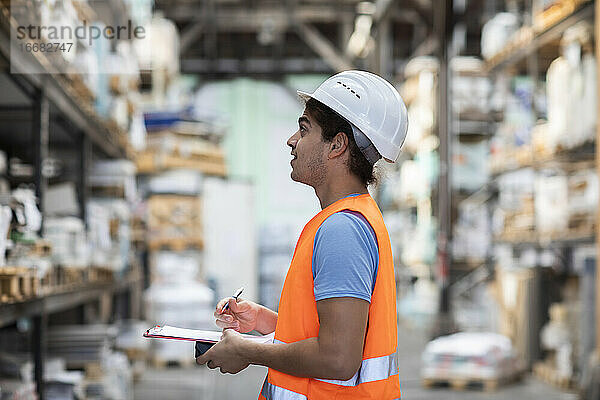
(378, 376)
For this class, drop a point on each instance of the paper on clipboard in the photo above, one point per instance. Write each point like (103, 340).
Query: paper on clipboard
(196, 335)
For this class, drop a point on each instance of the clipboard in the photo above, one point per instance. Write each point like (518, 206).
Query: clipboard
(204, 339)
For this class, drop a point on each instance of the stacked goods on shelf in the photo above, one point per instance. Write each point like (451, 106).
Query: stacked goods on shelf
(472, 231)
(514, 216)
(562, 204)
(504, 35)
(516, 291)
(175, 141)
(102, 74)
(497, 32)
(70, 254)
(405, 196)
(109, 214)
(560, 341)
(472, 111)
(177, 294)
(511, 146)
(16, 377)
(135, 347)
(28, 270)
(470, 358)
(91, 348)
(174, 221)
(184, 302)
(65, 231)
(158, 56)
(571, 94)
(412, 185)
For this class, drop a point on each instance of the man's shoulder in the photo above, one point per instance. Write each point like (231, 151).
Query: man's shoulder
(346, 222)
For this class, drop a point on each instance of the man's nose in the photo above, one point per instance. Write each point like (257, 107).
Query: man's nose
(292, 140)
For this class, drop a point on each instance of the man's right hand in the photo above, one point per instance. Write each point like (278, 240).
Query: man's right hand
(241, 316)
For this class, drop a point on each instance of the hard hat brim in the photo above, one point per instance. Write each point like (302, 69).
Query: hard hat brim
(304, 95)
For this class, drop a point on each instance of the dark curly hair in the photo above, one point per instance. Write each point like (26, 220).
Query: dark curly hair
(331, 124)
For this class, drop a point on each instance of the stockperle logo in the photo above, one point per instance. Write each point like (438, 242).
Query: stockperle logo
(84, 32)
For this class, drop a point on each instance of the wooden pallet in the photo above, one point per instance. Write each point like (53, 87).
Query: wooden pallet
(465, 383)
(71, 276)
(135, 354)
(175, 244)
(100, 274)
(161, 363)
(18, 284)
(548, 373)
(149, 163)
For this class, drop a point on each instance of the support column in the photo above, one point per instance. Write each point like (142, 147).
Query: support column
(85, 159)
(40, 136)
(443, 28)
(38, 345)
(597, 35)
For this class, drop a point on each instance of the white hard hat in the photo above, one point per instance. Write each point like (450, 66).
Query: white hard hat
(371, 105)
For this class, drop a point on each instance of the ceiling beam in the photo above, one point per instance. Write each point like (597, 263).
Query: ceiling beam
(323, 47)
(190, 35)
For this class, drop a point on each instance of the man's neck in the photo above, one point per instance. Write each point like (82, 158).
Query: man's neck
(329, 194)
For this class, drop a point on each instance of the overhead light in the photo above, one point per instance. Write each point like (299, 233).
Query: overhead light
(359, 43)
(366, 8)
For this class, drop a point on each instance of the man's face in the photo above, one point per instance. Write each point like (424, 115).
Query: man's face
(309, 152)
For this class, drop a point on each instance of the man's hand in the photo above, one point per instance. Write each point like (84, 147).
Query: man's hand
(244, 316)
(226, 355)
(241, 316)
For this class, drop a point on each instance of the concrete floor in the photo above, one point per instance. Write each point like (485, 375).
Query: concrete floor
(200, 383)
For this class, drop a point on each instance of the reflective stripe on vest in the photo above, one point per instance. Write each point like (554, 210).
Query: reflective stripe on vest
(272, 392)
(371, 369)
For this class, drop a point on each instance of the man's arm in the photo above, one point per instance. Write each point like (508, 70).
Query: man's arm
(336, 353)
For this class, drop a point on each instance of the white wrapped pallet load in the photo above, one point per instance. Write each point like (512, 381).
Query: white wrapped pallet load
(61, 200)
(181, 181)
(109, 230)
(551, 204)
(176, 267)
(159, 49)
(469, 355)
(5, 219)
(186, 305)
(557, 89)
(589, 101)
(115, 174)
(69, 243)
(583, 193)
(497, 32)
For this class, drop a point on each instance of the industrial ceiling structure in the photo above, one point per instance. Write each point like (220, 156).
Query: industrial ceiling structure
(221, 38)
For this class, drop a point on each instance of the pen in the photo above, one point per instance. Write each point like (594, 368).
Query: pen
(235, 296)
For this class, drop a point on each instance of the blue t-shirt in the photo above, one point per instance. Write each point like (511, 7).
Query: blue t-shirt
(345, 257)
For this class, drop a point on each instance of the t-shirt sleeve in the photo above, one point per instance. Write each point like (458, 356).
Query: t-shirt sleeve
(345, 258)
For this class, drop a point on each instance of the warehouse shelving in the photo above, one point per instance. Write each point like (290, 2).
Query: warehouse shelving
(67, 299)
(60, 92)
(530, 52)
(529, 41)
(52, 97)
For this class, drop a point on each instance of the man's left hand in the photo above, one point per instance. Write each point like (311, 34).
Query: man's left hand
(226, 355)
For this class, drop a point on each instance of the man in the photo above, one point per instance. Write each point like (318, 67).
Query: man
(336, 330)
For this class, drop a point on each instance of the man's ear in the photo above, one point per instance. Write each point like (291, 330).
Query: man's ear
(338, 145)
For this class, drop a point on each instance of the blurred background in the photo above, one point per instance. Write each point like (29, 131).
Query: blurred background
(144, 177)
